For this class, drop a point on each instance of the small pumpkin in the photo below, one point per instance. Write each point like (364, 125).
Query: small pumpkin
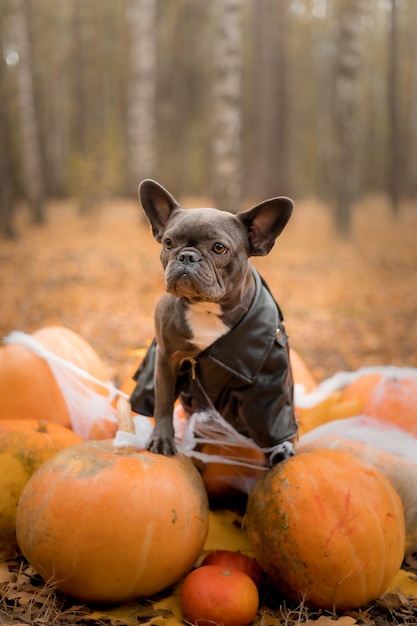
(214, 594)
(327, 528)
(108, 524)
(400, 471)
(24, 445)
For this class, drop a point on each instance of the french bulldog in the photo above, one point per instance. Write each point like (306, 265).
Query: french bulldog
(210, 288)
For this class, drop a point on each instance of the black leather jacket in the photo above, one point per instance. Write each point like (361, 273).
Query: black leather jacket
(245, 374)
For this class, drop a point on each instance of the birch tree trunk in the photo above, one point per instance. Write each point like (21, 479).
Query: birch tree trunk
(394, 162)
(226, 161)
(141, 114)
(30, 144)
(6, 186)
(271, 171)
(346, 104)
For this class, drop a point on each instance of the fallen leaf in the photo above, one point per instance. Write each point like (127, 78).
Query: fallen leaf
(394, 601)
(158, 621)
(130, 613)
(225, 533)
(404, 582)
(325, 620)
(5, 574)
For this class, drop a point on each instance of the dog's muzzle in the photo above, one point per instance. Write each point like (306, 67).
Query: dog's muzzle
(187, 256)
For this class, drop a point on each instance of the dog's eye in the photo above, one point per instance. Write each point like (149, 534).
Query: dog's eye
(167, 243)
(219, 248)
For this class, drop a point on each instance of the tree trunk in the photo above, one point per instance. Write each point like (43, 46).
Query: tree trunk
(6, 186)
(141, 115)
(271, 159)
(226, 175)
(346, 115)
(394, 163)
(30, 145)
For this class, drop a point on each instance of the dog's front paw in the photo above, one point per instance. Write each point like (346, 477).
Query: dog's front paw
(162, 441)
(281, 452)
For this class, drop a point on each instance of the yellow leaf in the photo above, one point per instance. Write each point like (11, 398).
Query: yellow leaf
(226, 533)
(172, 605)
(405, 582)
(130, 612)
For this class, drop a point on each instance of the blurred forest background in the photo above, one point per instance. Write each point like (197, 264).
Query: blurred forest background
(235, 99)
(226, 103)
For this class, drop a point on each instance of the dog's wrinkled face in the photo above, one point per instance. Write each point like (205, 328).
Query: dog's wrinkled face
(204, 254)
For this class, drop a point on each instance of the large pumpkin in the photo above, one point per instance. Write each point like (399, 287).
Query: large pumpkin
(73, 348)
(24, 446)
(108, 525)
(29, 389)
(401, 472)
(327, 528)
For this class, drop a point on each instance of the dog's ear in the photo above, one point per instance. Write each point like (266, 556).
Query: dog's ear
(158, 205)
(264, 222)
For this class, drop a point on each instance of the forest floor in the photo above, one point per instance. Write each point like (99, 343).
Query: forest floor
(347, 304)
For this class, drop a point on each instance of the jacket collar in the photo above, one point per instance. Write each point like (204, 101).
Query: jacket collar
(243, 350)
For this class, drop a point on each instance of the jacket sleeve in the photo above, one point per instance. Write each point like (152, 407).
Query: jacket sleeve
(143, 396)
(266, 407)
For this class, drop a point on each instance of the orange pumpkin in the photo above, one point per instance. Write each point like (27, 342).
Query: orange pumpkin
(128, 384)
(24, 446)
(386, 396)
(110, 524)
(223, 479)
(330, 409)
(327, 528)
(28, 388)
(395, 401)
(361, 389)
(300, 372)
(400, 471)
(70, 346)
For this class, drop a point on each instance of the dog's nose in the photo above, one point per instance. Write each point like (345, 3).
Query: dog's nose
(188, 256)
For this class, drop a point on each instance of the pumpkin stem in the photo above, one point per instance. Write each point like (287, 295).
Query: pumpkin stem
(42, 426)
(124, 415)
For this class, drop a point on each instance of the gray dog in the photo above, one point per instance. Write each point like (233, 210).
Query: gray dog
(220, 339)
